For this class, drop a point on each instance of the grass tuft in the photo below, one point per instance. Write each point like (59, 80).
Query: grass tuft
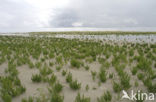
(106, 97)
(36, 78)
(75, 85)
(80, 98)
(75, 63)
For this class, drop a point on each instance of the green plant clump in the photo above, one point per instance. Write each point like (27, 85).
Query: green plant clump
(140, 76)
(36, 78)
(10, 87)
(63, 72)
(106, 97)
(134, 71)
(116, 87)
(93, 74)
(52, 79)
(75, 85)
(75, 63)
(57, 87)
(80, 98)
(102, 75)
(69, 78)
(56, 97)
(125, 81)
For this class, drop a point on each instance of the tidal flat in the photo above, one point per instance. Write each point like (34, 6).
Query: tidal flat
(76, 68)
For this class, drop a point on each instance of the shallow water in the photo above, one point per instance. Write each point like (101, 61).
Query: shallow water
(113, 37)
(15, 34)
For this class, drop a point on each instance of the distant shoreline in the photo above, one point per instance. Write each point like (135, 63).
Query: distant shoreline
(95, 32)
(82, 33)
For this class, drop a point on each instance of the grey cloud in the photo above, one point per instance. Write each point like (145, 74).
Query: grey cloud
(16, 16)
(109, 13)
(64, 18)
(19, 15)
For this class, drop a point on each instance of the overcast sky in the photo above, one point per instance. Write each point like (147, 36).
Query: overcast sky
(37, 15)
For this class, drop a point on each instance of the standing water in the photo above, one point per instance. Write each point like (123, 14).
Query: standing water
(151, 38)
(113, 37)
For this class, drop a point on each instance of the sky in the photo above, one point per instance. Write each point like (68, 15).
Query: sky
(51, 15)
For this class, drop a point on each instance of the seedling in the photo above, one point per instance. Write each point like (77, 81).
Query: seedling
(102, 75)
(51, 64)
(52, 79)
(30, 99)
(87, 87)
(64, 72)
(134, 71)
(93, 74)
(80, 98)
(117, 87)
(75, 63)
(6, 97)
(58, 68)
(125, 81)
(56, 97)
(75, 85)
(87, 67)
(140, 76)
(106, 97)
(45, 71)
(69, 78)
(38, 65)
(57, 87)
(111, 75)
(36, 78)
(31, 65)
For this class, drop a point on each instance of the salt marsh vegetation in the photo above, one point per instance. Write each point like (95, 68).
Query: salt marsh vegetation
(74, 70)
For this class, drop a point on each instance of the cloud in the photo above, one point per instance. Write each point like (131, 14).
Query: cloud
(16, 15)
(64, 18)
(108, 13)
(26, 15)
(29, 15)
(77, 24)
(130, 21)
